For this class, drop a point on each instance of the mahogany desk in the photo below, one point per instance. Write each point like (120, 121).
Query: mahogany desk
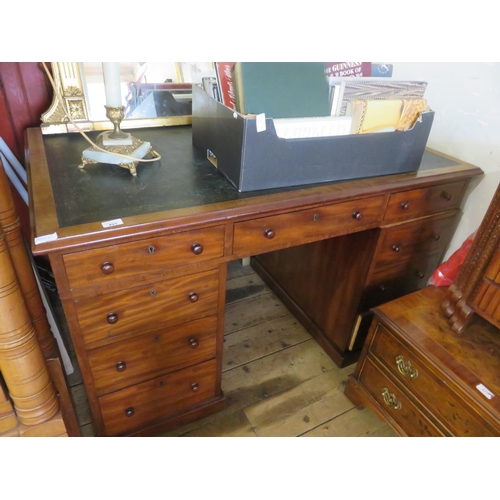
(145, 299)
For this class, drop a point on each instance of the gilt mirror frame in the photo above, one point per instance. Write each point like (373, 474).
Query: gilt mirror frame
(70, 84)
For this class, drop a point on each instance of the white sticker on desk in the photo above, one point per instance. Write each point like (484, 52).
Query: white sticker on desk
(44, 239)
(485, 391)
(260, 122)
(111, 223)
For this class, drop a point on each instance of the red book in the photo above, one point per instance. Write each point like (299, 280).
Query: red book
(342, 69)
(223, 72)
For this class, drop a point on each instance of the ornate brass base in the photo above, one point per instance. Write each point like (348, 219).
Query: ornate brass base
(138, 149)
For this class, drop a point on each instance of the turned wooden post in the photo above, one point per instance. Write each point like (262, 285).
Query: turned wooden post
(10, 223)
(21, 360)
(8, 419)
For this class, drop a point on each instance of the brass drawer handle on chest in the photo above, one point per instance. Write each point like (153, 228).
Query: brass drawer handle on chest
(405, 368)
(269, 234)
(107, 268)
(121, 366)
(112, 318)
(197, 249)
(390, 399)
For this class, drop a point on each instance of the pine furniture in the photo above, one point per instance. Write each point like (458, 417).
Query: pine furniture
(140, 264)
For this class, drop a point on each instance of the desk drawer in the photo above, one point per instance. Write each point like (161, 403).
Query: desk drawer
(158, 398)
(393, 282)
(395, 403)
(135, 360)
(286, 230)
(140, 259)
(431, 389)
(148, 308)
(409, 241)
(425, 201)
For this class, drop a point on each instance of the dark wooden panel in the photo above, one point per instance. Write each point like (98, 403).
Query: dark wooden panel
(324, 280)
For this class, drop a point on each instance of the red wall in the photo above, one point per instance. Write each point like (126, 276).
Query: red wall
(25, 94)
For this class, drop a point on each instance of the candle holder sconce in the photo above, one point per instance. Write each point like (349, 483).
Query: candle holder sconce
(109, 145)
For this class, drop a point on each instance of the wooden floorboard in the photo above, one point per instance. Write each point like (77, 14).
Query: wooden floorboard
(277, 380)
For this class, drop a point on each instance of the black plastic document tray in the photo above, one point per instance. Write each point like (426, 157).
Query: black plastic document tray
(254, 160)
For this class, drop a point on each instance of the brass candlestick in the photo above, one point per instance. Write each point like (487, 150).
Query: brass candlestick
(115, 116)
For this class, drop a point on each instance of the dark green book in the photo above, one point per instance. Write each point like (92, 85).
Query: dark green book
(281, 89)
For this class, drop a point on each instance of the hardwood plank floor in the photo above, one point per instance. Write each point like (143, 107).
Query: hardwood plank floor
(277, 380)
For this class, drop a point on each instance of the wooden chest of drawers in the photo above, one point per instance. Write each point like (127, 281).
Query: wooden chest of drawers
(423, 378)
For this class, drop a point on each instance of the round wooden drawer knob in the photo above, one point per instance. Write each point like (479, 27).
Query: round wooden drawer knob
(420, 275)
(436, 236)
(357, 215)
(269, 234)
(193, 297)
(112, 318)
(396, 248)
(195, 387)
(107, 268)
(121, 366)
(446, 196)
(129, 412)
(197, 249)
(193, 343)
(405, 205)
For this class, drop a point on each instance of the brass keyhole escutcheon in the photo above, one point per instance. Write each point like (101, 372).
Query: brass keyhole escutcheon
(152, 292)
(151, 250)
(315, 217)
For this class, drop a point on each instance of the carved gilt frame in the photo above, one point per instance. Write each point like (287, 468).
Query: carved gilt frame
(69, 83)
